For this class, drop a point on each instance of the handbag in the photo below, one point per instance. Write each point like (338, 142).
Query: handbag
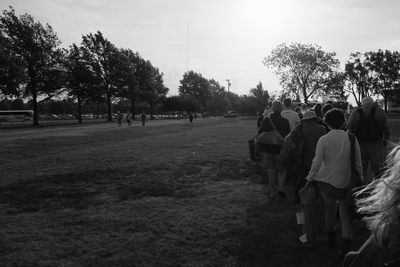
(254, 151)
(355, 181)
(271, 137)
(309, 193)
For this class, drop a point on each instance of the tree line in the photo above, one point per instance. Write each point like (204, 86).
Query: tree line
(97, 73)
(306, 72)
(34, 66)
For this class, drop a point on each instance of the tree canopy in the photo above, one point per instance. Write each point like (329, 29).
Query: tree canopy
(303, 69)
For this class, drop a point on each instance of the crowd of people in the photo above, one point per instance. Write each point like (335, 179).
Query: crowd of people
(324, 153)
(128, 117)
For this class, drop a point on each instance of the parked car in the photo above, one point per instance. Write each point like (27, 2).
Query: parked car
(230, 114)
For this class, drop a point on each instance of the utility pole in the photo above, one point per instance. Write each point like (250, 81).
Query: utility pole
(229, 83)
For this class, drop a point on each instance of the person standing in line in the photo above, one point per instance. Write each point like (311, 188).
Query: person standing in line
(129, 118)
(289, 114)
(143, 116)
(119, 118)
(381, 208)
(369, 124)
(299, 149)
(331, 170)
(270, 153)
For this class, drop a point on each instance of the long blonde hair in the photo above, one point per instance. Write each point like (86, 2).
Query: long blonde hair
(382, 205)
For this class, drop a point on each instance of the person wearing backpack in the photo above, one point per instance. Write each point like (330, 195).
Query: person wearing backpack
(370, 126)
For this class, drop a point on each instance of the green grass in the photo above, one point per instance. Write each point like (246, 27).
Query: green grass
(162, 195)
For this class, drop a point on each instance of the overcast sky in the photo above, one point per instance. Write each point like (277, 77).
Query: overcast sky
(222, 39)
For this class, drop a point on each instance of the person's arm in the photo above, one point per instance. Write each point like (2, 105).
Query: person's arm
(358, 161)
(317, 161)
(351, 123)
(385, 126)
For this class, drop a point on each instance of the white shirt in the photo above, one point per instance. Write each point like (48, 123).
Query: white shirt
(291, 116)
(332, 163)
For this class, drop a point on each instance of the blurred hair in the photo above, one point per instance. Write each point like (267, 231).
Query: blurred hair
(382, 205)
(335, 118)
(326, 108)
(277, 106)
(318, 110)
(287, 102)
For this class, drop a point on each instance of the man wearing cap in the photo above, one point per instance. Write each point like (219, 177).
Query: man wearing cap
(369, 124)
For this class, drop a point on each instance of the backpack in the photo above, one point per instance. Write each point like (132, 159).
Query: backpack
(368, 129)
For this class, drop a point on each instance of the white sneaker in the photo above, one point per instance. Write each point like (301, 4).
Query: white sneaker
(303, 238)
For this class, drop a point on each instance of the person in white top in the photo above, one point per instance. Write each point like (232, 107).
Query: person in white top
(289, 114)
(331, 168)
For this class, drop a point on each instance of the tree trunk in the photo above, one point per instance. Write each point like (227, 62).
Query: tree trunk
(35, 108)
(109, 106)
(79, 110)
(133, 108)
(98, 108)
(385, 97)
(305, 95)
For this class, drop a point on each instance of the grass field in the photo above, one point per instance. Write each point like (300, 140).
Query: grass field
(167, 194)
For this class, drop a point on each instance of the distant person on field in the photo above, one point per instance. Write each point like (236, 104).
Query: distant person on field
(191, 117)
(143, 116)
(289, 114)
(331, 169)
(382, 213)
(270, 153)
(369, 124)
(129, 118)
(119, 118)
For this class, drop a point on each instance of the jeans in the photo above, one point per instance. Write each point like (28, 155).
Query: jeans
(330, 216)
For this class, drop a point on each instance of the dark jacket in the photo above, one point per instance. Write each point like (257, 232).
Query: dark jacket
(282, 126)
(370, 255)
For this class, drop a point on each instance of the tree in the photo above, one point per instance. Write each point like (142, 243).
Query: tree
(261, 96)
(384, 67)
(80, 78)
(38, 48)
(303, 69)
(194, 84)
(103, 55)
(11, 69)
(129, 85)
(358, 78)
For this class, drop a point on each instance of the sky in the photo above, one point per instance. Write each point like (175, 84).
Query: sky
(222, 39)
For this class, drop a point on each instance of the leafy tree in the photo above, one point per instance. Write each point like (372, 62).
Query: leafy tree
(303, 69)
(151, 84)
(358, 77)
(194, 84)
(219, 102)
(129, 77)
(80, 78)
(261, 96)
(38, 48)
(103, 57)
(384, 67)
(11, 69)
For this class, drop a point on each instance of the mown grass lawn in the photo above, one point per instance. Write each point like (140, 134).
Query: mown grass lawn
(167, 194)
